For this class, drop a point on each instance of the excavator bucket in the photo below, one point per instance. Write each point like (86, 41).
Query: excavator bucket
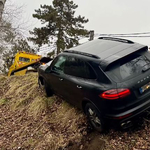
(20, 73)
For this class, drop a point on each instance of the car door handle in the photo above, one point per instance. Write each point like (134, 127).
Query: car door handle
(79, 87)
(60, 79)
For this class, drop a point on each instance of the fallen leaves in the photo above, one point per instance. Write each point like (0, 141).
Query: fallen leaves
(39, 123)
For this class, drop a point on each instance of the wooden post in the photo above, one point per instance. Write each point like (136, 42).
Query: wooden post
(91, 35)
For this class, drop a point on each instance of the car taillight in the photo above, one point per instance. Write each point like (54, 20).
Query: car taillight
(115, 94)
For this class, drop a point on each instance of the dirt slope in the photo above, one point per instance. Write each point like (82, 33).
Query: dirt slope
(29, 121)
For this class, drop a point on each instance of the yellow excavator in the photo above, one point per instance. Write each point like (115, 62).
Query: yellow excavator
(25, 61)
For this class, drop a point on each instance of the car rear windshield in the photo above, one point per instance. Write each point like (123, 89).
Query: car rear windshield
(129, 67)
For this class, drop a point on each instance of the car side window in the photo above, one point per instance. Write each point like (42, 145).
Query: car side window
(77, 67)
(89, 72)
(58, 65)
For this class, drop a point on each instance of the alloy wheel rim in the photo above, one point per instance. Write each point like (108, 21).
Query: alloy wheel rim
(94, 118)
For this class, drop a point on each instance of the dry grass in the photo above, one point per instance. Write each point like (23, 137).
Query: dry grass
(29, 120)
(37, 122)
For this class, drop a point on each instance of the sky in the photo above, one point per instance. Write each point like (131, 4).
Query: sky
(105, 16)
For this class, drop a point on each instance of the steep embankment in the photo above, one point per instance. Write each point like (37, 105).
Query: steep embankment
(29, 120)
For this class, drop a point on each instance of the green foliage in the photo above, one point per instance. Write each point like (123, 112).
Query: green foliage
(21, 45)
(7, 39)
(51, 54)
(7, 35)
(60, 22)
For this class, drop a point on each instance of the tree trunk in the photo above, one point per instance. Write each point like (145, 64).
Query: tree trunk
(2, 2)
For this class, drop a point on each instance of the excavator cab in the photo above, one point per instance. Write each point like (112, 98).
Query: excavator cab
(24, 60)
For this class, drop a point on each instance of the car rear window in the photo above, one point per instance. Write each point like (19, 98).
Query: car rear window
(128, 67)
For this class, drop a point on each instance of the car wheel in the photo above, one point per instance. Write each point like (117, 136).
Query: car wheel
(43, 85)
(94, 117)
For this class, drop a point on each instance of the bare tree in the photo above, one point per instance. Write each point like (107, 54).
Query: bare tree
(12, 33)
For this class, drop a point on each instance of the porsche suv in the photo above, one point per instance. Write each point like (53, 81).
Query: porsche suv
(109, 78)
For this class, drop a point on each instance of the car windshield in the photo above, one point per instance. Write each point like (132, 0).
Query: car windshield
(128, 67)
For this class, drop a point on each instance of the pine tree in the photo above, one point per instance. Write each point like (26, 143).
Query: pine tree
(60, 22)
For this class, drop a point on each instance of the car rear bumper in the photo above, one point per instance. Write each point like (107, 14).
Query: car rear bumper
(126, 117)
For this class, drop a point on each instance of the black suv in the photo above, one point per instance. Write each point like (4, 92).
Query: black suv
(109, 78)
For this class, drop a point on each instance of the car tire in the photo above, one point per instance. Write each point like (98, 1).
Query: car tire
(94, 118)
(44, 87)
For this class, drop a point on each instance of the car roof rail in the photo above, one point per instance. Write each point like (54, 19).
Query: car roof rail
(82, 53)
(116, 39)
